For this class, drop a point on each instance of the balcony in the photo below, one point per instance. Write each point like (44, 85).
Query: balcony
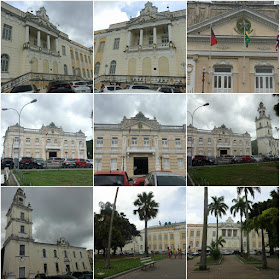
(161, 46)
(53, 147)
(40, 49)
(140, 149)
(223, 145)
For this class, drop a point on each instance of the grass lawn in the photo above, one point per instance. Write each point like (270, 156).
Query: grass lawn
(263, 174)
(249, 260)
(210, 261)
(57, 178)
(119, 264)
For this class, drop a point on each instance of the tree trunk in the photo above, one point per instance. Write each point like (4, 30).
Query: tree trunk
(271, 248)
(110, 231)
(241, 235)
(146, 237)
(247, 218)
(264, 261)
(203, 261)
(217, 235)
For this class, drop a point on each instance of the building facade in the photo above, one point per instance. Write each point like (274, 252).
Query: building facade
(139, 145)
(231, 233)
(229, 66)
(267, 144)
(148, 49)
(217, 142)
(34, 50)
(22, 257)
(48, 141)
(172, 235)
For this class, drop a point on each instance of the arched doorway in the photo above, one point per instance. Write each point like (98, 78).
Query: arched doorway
(34, 65)
(55, 67)
(45, 66)
(132, 66)
(163, 66)
(147, 67)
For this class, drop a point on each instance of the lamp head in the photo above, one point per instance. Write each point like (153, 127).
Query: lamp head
(206, 104)
(4, 109)
(33, 101)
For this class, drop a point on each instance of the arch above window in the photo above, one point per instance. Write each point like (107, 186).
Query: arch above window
(4, 63)
(113, 65)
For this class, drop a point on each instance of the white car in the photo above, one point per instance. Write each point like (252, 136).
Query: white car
(96, 90)
(169, 90)
(80, 86)
(110, 88)
(136, 91)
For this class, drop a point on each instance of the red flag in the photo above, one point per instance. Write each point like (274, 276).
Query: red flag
(46, 133)
(213, 38)
(129, 130)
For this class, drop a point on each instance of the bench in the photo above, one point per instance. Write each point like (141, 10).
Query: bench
(146, 261)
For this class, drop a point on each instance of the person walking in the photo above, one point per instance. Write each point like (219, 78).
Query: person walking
(175, 253)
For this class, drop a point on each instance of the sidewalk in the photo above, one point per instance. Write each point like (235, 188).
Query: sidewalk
(166, 269)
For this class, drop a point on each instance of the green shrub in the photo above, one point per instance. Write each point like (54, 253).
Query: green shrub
(215, 254)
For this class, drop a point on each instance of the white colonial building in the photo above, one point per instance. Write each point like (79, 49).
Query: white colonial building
(22, 257)
(217, 142)
(48, 141)
(148, 49)
(267, 144)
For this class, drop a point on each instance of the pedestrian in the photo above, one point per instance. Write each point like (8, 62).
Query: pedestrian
(169, 253)
(180, 253)
(175, 253)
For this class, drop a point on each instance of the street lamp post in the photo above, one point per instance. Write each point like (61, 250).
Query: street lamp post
(192, 115)
(19, 114)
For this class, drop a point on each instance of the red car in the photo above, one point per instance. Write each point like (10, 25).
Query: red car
(247, 158)
(140, 181)
(80, 162)
(111, 178)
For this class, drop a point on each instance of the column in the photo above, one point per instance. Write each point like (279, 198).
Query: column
(48, 42)
(141, 37)
(38, 38)
(129, 38)
(154, 35)
(56, 44)
(170, 32)
(27, 33)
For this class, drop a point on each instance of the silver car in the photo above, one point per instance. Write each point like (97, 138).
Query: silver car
(80, 86)
(164, 178)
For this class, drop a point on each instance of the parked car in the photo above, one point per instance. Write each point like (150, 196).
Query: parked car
(200, 160)
(40, 163)
(7, 162)
(111, 178)
(168, 90)
(56, 159)
(68, 163)
(225, 159)
(258, 158)
(90, 85)
(30, 88)
(86, 276)
(80, 162)
(247, 158)
(212, 160)
(76, 274)
(163, 178)
(237, 159)
(140, 181)
(80, 86)
(236, 252)
(41, 276)
(137, 87)
(59, 86)
(27, 163)
(66, 276)
(110, 88)
(89, 163)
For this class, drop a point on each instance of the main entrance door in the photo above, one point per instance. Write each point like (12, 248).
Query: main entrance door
(140, 165)
(22, 273)
(52, 154)
(68, 271)
(223, 152)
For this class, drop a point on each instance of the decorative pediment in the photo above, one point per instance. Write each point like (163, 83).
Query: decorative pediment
(149, 9)
(223, 63)
(263, 63)
(139, 125)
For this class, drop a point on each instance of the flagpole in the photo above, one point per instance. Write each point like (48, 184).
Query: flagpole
(210, 56)
(244, 56)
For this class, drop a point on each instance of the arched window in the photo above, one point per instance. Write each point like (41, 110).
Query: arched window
(87, 73)
(65, 70)
(191, 244)
(96, 68)
(84, 73)
(113, 67)
(4, 63)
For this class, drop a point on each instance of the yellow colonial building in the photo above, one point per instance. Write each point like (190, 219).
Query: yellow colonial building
(23, 257)
(139, 145)
(48, 141)
(172, 235)
(148, 49)
(230, 66)
(34, 50)
(231, 233)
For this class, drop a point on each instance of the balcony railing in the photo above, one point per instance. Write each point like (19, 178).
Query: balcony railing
(160, 46)
(40, 49)
(140, 149)
(55, 147)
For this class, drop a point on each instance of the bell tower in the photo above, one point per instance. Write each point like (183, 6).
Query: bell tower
(19, 219)
(263, 131)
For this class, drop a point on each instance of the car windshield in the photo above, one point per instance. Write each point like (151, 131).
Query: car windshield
(22, 88)
(108, 180)
(171, 181)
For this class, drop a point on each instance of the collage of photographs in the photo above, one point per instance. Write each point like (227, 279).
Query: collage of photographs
(139, 139)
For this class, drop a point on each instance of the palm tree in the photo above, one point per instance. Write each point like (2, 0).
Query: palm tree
(147, 210)
(251, 191)
(239, 206)
(203, 262)
(218, 207)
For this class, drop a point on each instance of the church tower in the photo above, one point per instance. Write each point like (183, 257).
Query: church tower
(19, 219)
(263, 131)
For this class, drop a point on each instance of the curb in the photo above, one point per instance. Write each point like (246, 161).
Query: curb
(14, 177)
(214, 263)
(248, 263)
(202, 271)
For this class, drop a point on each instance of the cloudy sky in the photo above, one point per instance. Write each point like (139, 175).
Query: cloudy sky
(167, 108)
(172, 203)
(53, 214)
(235, 111)
(195, 200)
(109, 12)
(73, 17)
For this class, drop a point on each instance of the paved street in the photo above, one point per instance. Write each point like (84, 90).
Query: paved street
(232, 268)
(166, 269)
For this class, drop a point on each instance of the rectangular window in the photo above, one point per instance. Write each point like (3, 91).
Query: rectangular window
(37, 141)
(7, 32)
(166, 163)
(113, 164)
(74, 254)
(63, 50)
(200, 141)
(165, 237)
(44, 253)
(164, 39)
(151, 40)
(81, 56)
(101, 46)
(99, 142)
(180, 163)
(89, 62)
(77, 266)
(27, 141)
(214, 234)
(146, 141)
(178, 142)
(198, 233)
(134, 141)
(84, 265)
(22, 216)
(192, 233)
(85, 58)
(183, 235)
(45, 268)
(22, 250)
(160, 237)
(81, 254)
(116, 43)
(71, 54)
(72, 143)
(164, 142)
(21, 229)
(76, 54)
(65, 143)
(97, 164)
(54, 253)
(56, 267)
(189, 140)
(171, 236)
(115, 142)
(48, 141)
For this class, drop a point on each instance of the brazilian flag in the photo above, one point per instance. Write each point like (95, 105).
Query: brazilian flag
(247, 38)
